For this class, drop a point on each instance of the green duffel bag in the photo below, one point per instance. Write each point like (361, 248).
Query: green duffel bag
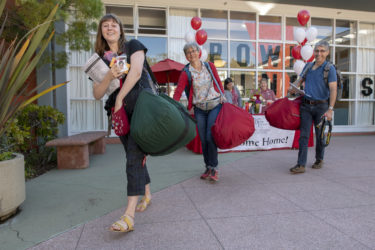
(160, 125)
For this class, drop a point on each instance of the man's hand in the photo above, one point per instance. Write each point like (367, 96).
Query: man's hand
(328, 114)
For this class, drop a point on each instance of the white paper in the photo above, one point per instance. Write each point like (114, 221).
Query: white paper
(96, 69)
(296, 89)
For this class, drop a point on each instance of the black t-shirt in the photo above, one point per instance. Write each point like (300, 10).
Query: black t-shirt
(131, 47)
(130, 100)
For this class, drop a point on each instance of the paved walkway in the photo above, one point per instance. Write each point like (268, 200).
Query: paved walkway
(256, 205)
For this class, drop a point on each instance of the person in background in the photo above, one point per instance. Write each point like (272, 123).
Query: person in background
(267, 94)
(232, 94)
(111, 38)
(204, 95)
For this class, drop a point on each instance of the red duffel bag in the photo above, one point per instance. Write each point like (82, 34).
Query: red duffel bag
(232, 127)
(284, 113)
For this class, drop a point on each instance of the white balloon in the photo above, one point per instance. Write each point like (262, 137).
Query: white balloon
(298, 66)
(204, 55)
(190, 36)
(311, 34)
(299, 34)
(306, 52)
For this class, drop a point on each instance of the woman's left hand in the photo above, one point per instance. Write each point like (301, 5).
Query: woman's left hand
(223, 99)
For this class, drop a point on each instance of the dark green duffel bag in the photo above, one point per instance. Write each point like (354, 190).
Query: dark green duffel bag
(160, 125)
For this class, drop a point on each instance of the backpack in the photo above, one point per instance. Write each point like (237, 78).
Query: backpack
(325, 76)
(339, 79)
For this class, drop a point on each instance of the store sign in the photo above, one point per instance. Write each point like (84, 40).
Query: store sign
(266, 137)
(366, 86)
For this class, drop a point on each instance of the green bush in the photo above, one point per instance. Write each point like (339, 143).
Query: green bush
(33, 127)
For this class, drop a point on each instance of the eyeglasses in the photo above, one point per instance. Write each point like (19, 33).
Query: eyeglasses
(191, 52)
(320, 51)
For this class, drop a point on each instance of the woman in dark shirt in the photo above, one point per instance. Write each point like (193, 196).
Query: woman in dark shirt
(111, 37)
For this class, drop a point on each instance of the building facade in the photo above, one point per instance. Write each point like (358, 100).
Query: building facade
(246, 40)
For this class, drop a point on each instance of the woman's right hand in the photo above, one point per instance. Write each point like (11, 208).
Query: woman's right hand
(116, 72)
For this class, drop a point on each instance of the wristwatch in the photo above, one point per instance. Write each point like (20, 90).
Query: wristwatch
(330, 107)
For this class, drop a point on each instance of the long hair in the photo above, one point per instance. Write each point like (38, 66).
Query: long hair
(101, 44)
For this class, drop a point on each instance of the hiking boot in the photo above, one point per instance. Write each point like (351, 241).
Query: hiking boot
(317, 164)
(206, 174)
(214, 176)
(297, 169)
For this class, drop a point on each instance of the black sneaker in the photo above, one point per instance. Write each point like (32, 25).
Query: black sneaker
(297, 169)
(317, 164)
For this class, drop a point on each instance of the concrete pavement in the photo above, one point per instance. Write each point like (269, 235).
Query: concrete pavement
(257, 204)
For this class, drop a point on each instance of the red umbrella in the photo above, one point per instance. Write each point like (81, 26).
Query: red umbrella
(167, 71)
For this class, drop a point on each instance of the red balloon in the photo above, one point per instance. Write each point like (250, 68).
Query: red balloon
(201, 37)
(296, 52)
(303, 17)
(304, 42)
(196, 23)
(311, 58)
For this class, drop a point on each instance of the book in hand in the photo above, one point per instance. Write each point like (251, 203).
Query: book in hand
(96, 69)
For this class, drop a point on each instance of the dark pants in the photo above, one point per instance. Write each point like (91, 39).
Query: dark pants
(205, 120)
(137, 174)
(309, 114)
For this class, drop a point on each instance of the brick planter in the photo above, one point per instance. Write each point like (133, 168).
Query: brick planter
(12, 185)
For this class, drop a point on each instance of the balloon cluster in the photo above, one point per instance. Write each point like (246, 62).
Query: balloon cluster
(303, 52)
(200, 36)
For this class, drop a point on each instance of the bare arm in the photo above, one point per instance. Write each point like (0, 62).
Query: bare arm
(297, 83)
(137, 59)
(332, 99)
(99, 89)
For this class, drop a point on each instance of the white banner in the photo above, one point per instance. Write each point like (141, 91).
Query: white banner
(265, 137)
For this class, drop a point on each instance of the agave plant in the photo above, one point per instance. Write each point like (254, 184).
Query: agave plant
(18, 60)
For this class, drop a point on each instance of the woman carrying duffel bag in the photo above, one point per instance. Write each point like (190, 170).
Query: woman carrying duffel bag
(111, 38)
(205, 96)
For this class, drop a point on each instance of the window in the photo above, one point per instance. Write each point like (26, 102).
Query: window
(290, 24)
(270, 27)
(214, 22)
(324, 27)
(179, 21)
(346, 32)
(367, 34)
(270, 55)
(217, 52)
(345, 59)
(242, 55)
(125, 14)
(343, 113)
(157, 48)
(242, 25)
(244, 80)
(152, 21)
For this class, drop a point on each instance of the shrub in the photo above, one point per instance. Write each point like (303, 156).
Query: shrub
(33, 127)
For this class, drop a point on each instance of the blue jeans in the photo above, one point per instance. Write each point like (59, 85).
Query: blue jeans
(205, 120)
(309, 114)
